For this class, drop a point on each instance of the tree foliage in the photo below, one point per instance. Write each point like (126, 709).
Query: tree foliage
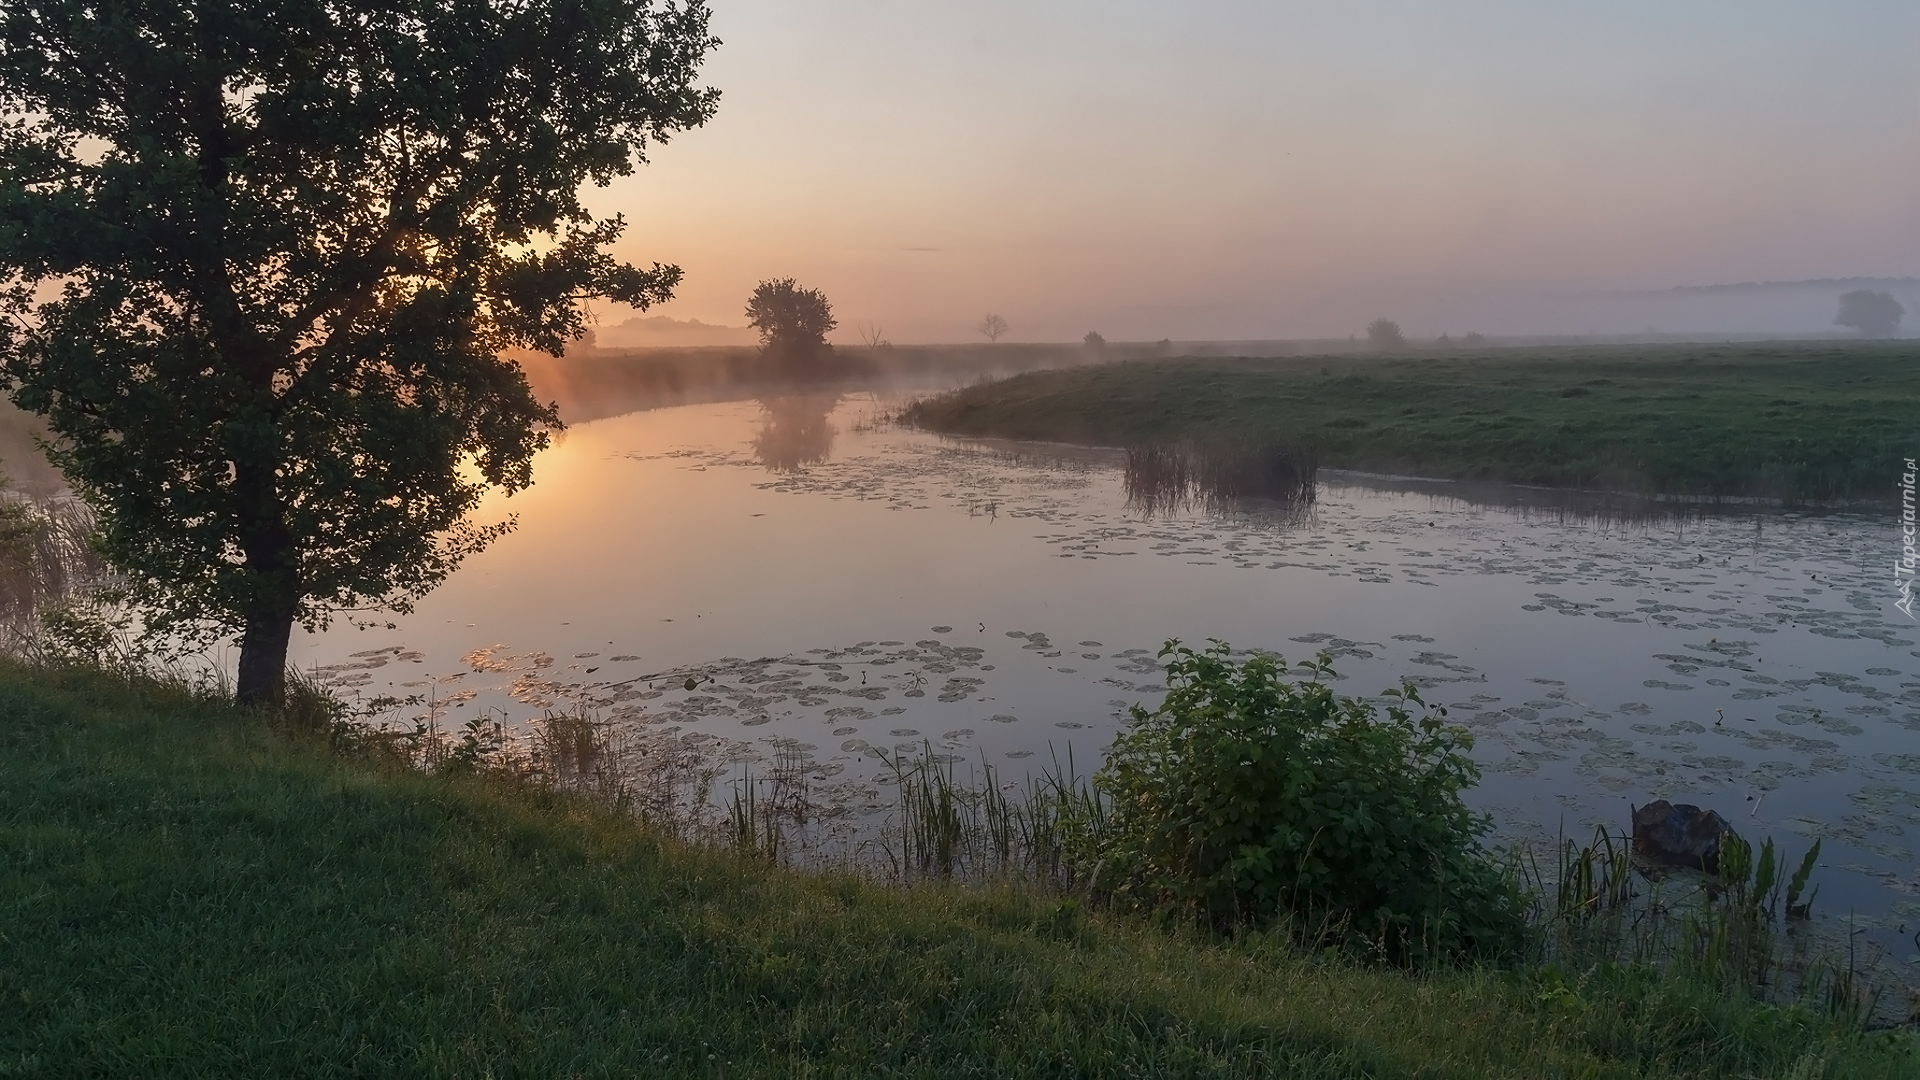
(260, 260)
(793, 322)
(1384, 334)
(1875, 314)
(993, 326)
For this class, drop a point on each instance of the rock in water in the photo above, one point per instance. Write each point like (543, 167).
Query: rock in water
(1681, 835)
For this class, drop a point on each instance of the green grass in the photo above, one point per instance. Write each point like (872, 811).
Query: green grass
(187, 891)
(1781, 420)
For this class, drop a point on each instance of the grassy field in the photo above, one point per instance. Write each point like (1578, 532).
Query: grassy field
(184, 891)
(1793, 421)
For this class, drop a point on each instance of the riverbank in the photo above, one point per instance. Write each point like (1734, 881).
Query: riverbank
(1798, 422)
(187, 890)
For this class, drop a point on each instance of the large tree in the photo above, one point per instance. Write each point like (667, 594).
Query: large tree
(792, 321)
(261, 258)
(1875, 314)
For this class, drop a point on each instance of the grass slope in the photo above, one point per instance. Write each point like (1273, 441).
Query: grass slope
(185, 892)
(1784, 420)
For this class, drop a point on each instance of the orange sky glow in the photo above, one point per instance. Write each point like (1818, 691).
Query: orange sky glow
(1236, 170)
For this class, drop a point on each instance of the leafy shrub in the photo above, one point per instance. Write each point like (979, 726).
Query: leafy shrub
(1249, 798)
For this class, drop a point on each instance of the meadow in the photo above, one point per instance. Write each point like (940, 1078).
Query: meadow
(1792, 421)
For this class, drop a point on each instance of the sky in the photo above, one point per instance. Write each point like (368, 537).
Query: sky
(1219, 169)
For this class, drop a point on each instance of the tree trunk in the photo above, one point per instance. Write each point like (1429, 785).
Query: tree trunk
(273, 572)
(263, 659)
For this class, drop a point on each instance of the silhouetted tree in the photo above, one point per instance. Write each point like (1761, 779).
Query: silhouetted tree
(1875, 314)
(1385, 334)
(874, 336)
(260, 261)
(993, 326)
(1474, 337)
(586, 342)
(793, 322)
(1093, 342)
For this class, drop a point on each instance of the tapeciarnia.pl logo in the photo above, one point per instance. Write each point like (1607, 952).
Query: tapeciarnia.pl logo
(1904, 565)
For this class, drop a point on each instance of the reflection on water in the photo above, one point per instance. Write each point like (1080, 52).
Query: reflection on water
(1586, 509)
(1164, 478)
(794, 432)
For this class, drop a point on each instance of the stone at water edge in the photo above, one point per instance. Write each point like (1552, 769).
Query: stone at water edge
(1678, 835)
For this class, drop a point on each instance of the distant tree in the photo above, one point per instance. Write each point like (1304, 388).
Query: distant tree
(793, 322)
(1874, 314)
(1165, 345)
(1473, 338)
(587, 342)
(993, 326)
(1093, 342)
(1444, 341)
(258, 263)
(1385, 334)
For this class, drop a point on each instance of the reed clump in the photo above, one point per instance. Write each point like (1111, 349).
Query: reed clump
(1746, 928)
(1169, 477)
(575, 752)
(986, 828)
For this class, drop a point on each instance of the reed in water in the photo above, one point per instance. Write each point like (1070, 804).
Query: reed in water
(1165, 478)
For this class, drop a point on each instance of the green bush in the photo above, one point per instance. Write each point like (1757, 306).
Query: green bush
(1250, 798)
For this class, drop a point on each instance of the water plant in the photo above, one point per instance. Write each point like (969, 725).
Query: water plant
(1742, 928)
(983, 827)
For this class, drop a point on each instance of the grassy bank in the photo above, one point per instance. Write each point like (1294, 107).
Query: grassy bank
(1786, 420)
(185, 891)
